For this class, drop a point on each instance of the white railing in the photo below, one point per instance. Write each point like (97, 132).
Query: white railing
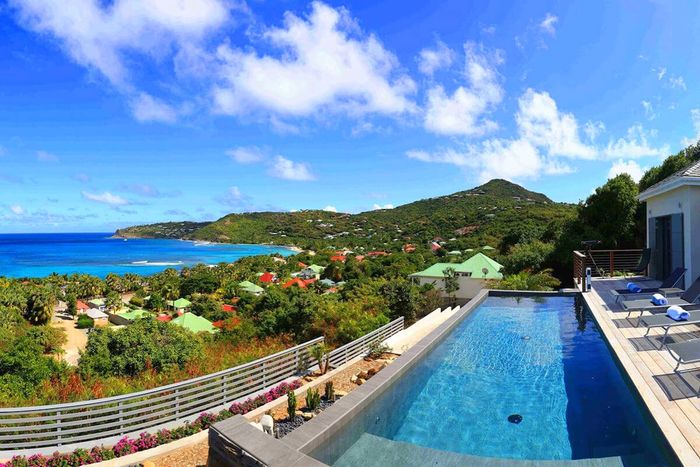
(46, 428)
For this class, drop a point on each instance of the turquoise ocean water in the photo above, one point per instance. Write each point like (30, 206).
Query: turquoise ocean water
(38, 255)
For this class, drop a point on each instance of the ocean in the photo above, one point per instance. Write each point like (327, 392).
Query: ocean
(38, 255)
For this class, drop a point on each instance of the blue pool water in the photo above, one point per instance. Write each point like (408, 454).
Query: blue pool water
(38, 255)
(540, 358)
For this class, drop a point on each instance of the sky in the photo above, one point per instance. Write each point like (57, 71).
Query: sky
(122, 112)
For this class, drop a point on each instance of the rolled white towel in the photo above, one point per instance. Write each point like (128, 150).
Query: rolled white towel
(658, 299)
(677, 313)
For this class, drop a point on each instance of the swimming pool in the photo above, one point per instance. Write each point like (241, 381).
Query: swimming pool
(537, 360)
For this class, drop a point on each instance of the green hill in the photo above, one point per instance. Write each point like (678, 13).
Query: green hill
(471, 218)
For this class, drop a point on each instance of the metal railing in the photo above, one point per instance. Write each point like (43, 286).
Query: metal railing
(605, 262)
(46, 428)
(361, 346)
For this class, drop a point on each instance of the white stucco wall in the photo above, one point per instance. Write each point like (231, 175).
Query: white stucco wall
(468, 287)
(686, 200)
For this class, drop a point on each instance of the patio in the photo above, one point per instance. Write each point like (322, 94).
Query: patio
(672, 398)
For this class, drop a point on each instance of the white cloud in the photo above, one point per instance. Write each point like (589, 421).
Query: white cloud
(44, 156)
(593, 129)
(631, 168)
(677, 82)
(147, 108)
(695, 118)
(463, 113)
(548, 24)
(432, 59)
(235, 198)
(634, 145)
(330, 208)
(660, 73)
(286, 169)
(324, 63)
(246, 155)
(382, 206)
(17, 210)
(99, 34)
(105, 198)
(648, 110)
(540, 122)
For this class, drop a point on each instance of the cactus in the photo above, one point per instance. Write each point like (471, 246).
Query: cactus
(313, 399)
(329, 391)
(291, 404)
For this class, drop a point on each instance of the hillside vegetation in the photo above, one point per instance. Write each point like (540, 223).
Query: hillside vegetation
(483, 215)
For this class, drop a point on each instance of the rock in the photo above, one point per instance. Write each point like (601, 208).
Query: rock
(308, 415)
(371, 372)
(363, 375)
(353, 379)
(267, 424)
(298, 413)
(360, 381)
(339, 393)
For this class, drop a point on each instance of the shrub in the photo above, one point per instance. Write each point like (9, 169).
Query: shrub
(85, 322)
(320, 353)
(313, 399)
(377, 349)
(291, 404)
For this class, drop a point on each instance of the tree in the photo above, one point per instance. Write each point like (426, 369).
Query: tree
(156, 302)
(401, 299)
(527, 281)
(451, 283)
(527, 256)
(611, 210)
(113, 302)
(40, 306)
(72, 304)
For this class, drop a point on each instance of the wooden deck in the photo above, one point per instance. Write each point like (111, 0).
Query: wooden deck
(672, 398)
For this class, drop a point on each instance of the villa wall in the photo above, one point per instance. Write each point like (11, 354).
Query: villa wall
(683, 200)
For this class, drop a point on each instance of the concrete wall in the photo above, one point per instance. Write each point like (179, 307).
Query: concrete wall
(685, 200)
(468, 287)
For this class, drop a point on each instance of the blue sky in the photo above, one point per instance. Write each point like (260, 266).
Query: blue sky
(130, 111)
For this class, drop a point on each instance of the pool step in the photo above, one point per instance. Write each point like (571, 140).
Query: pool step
(402, 341)
(371, 450)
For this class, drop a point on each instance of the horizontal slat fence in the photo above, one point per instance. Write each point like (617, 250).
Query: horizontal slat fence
(361, 346)
(46, 428)
(604, 262)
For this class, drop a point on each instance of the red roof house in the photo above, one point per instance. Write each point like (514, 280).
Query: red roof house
(228, 308)
(339, 258)
(81, 306)
(409, 248)
(377, 253)
(164, 318)
(301, 283)
(302, 265)
(267, 278)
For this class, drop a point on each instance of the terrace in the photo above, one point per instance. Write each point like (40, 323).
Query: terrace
(670, 396)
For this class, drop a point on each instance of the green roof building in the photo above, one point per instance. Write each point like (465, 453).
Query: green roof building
(249, 287)
(487, 248)
(194, 323)
(471, 274)
(179, 304)
(126, 316)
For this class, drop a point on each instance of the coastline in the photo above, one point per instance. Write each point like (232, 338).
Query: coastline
(293, 248)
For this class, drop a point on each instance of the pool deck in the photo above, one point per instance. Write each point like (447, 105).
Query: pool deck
(670, 397)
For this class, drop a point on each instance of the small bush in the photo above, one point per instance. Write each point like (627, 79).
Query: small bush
(85, 322)
(377, 349)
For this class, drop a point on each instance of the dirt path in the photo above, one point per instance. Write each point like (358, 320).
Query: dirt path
(77, 340)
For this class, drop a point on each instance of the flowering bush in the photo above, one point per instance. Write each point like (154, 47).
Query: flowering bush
(126, 445)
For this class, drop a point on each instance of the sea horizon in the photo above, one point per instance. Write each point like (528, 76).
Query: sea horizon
(100, 253)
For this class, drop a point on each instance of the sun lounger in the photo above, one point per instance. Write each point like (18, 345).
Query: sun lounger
(666, 323)
(685, 352)
(667, 287)
(687, 298)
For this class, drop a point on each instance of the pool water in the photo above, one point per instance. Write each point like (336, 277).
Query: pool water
(541, 360)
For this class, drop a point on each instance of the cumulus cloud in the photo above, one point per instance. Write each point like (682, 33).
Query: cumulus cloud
(16, 209)
(246, 155)
(648, 110)
(44, 156)
(286, 169)
(432, 59)
(235, 198)
(548, 24)
(593, 129)
(330, 208)
(634, 145)
(147, 108)
(324, 63)
(377, 207)
(464, 111)
(632, 168)
(105, 198)
(100, 35)
(677, 82)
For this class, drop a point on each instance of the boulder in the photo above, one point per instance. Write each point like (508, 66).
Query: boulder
(339, 393)
(360, 381)
(353, 379)
(308, 415)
